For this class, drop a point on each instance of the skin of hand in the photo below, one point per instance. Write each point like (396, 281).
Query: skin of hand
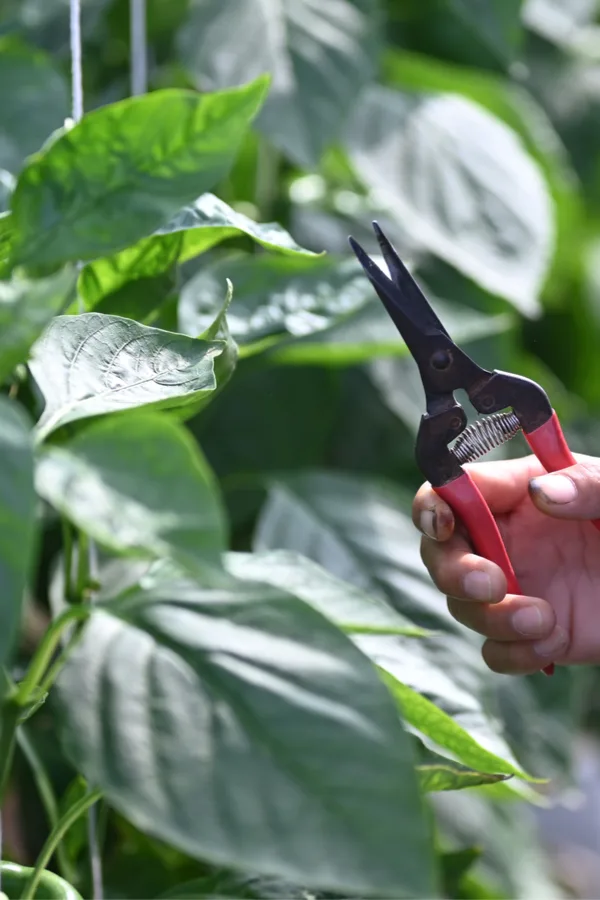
(555, 551)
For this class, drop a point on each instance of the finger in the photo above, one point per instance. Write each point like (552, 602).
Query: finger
(526, 657)
(516, 618)
(503, 483)
(458, 572)
(431, 515)
(572, 493)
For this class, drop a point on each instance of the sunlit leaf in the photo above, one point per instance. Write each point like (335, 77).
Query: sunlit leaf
(317, 311)
(360, 530)
(320, 56)
(139, 485)
(346, 605)
(194, 229)
(92, 364)
(124, 170)
(252, 713)
(462, 183)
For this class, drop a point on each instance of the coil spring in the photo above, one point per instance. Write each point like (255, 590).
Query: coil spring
(485, 434)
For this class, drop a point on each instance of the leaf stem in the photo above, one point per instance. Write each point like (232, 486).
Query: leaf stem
(67, 532)
(9, 720)
(83, 562)
(54, 838)
(43, 655)
(47, 796)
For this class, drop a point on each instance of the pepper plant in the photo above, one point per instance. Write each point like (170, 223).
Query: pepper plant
(216, 634)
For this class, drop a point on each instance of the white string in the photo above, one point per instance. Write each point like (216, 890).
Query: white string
(139, 56)
(76, 67)
(77, 113)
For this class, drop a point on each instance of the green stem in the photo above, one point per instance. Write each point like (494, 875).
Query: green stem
(48, 798)
(54, 839)
(43, 655)
(83, 562)
(9, 720)
(68, 559)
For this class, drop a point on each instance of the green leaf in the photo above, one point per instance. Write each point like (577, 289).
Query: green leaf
(433, 722)
(360, 530)
(219, 330)
(564, 24)
(223, 885)
(92, 364)
(125, 170)
(51, 886)
(315, 312)
(35, 101)
(517, 109)
(462, 184)
(321, 56)
(194, 229)
(440, 774)
(344, 604)
(250, 713)
(455, 866)
(26, 307)
(497, 24)
(139, 485)
(17, 518)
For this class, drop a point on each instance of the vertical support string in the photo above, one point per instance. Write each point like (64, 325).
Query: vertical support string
(138, 47)
(77, 113)
(76, 66)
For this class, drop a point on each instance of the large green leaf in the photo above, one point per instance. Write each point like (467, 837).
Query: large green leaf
(35, 101)
(312, 311)
(518, 109)
(219, 719)
(17, 518)
(461, 183)
(320, 56)
(139, 485)
(124, 170)
(194, 229)
(346, 605)
(92, 364)
(497, 24)
(361, 531)
(26, 307)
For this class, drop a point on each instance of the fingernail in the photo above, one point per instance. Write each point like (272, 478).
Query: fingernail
(529, 621)
(553, 645)
(478, 585)
(555, 488)
(427, 523)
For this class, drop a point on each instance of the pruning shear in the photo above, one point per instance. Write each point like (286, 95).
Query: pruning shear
(509, 403)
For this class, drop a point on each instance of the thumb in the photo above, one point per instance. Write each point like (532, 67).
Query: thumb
(572, 493)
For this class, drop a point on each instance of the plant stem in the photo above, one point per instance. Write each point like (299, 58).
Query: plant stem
(54, 838)
(9, 720)
(47, 796)
(67, 532)
(43, 655)
(82, 566)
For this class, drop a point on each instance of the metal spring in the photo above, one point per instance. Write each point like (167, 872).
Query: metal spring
(485, 434)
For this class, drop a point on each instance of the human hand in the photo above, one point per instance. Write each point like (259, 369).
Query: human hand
(555, 553)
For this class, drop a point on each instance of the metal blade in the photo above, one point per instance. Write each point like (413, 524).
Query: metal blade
(414, 303)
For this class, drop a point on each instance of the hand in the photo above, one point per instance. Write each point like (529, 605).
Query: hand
(555, 553)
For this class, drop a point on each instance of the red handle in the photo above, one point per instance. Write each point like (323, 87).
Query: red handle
(466, 501)
(549, 445)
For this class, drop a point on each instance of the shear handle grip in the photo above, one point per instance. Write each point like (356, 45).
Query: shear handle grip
(467, 503)
(549, 445)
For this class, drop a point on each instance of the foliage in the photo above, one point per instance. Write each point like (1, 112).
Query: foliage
(206, 437)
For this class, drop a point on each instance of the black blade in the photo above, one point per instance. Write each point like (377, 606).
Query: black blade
(413, 301)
